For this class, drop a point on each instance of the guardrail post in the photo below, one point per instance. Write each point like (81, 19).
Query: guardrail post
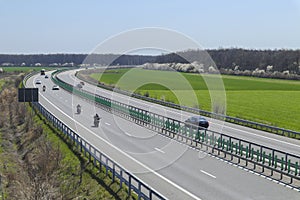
(129, 187)
(139, 191)
(286, 160)
(121, 178)
(89, 153)
(114, 170)
(106, 166)
(273, 158)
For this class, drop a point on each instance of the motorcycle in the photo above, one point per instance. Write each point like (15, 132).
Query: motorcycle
(78, 109)
(96, 120)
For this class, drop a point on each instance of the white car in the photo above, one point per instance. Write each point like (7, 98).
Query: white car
(55, 87)
(38, 82)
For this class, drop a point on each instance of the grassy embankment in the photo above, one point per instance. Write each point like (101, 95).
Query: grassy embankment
(270, 101)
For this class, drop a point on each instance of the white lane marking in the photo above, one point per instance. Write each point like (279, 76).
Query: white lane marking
(157, 149)
(172, 111)
(135, 160)
(127, 134)
(108, 124)
(208, 174)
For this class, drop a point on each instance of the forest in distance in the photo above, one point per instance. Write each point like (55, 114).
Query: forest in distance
(282, 60)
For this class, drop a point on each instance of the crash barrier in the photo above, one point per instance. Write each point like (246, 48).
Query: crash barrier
(251, 124)
(231, 148)
(99, 159)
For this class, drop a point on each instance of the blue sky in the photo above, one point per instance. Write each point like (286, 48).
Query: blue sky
(78, 26)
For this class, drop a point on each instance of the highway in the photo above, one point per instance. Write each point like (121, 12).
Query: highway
(261, 137)
(171, 168)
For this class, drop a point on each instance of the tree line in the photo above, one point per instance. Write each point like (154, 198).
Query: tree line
(225, 59)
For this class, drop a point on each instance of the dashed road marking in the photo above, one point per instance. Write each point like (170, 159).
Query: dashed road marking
(208, 174)
(127, 134)
(157, 149)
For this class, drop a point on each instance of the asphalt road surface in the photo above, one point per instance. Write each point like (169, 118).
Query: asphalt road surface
(171, 168)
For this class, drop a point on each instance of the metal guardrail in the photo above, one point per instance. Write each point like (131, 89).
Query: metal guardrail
(99, 159)
(219, 144)
(251, 124)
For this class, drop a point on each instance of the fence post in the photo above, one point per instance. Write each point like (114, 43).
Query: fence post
(114, 170)
(129, 187)
(121, 178)
(139, 191)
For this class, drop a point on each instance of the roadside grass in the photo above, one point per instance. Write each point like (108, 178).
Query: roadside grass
(270, 101)
(2, 82)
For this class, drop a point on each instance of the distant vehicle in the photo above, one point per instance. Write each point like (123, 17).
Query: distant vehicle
(198, 121)
(46, 76)
(96, 120)
(38, 82)
(78, 109)
(81, 82)
(42, 71)
(79, 85)
(55, 87)
(44, 88)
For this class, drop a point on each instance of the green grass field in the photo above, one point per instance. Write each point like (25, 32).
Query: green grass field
(270, 101)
